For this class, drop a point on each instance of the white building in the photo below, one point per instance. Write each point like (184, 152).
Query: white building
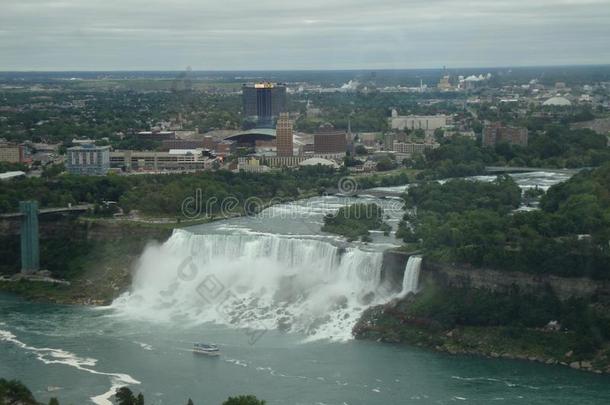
(413, 148)
(428, 123)
(88, 160)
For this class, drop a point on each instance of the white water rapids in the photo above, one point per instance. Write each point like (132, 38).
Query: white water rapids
(256, 281)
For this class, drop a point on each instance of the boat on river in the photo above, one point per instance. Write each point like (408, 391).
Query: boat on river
(207, 349)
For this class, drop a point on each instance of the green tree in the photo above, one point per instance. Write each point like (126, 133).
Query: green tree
(14, 392)
(124, 396)
(244, 400)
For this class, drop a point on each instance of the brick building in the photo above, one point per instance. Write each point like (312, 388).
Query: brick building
(284, 136)
(328, 140)
(495, 133)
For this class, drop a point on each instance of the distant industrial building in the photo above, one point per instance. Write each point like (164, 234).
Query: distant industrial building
(263, 102)
(329, 141)
(444, 84)
(90, 160)
(427, 123)
(495, 133)
(283, 138)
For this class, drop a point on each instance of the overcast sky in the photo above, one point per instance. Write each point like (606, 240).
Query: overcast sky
(308, 34)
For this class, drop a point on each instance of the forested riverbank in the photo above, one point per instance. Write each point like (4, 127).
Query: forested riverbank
(504, 282)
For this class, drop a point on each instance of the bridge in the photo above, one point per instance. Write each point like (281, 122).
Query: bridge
(28, 213)
(71, 208)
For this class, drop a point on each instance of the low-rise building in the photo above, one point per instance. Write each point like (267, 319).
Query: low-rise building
(173, 160)
(156, 135)
(11, 175)
(225, 148)
(427, 123)
(413, 148)
(168, 144)
(251, 164)
(89, 160)
(389, 139)
(495, 133)
(13, 153)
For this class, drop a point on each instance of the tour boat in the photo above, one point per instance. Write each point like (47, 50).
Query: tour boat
(207, 349)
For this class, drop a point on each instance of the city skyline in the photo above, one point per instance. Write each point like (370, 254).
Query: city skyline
(46, 35)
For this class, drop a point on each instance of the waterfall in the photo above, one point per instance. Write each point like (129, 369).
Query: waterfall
(410, 280)
(254, 280)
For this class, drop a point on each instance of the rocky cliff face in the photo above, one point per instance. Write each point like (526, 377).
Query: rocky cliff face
(503, 281)
(393, 267)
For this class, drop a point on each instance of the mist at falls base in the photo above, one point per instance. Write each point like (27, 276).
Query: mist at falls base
(259, 282)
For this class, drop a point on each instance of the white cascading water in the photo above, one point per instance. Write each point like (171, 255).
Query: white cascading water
(410, 280)
(258, 281)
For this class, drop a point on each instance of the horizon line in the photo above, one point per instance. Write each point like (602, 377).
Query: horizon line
(307, 69)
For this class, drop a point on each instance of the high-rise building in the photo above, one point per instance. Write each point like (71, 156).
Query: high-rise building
(283, 138)
(495, 133)
(263, 102)
(88, 160)
(328, 140)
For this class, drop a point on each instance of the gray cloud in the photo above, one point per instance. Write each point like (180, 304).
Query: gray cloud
(314, 34)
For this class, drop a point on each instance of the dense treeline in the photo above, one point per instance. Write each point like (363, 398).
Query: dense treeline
(368, 111)
(519, 324)
(14, 392)
(472, 223)
(355, 221)
(165, 194)
(60, 116)
(554, 147)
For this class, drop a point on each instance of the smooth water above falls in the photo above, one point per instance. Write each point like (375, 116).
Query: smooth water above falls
(280, 299)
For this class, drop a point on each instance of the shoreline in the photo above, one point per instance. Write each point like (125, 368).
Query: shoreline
(388, 324)
(423, 333)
